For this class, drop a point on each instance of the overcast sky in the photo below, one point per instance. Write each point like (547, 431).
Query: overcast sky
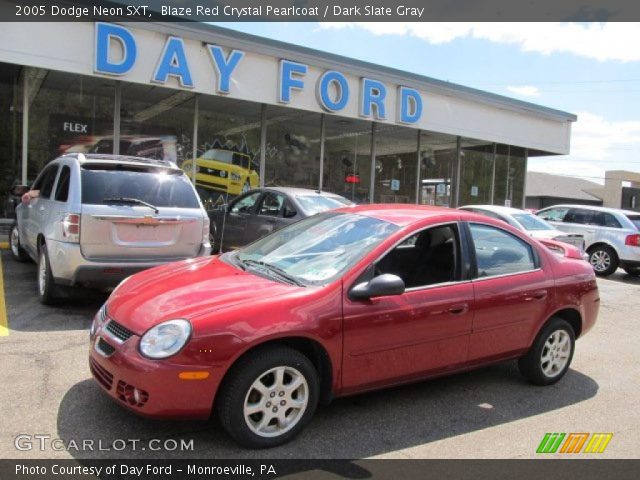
(592, 70)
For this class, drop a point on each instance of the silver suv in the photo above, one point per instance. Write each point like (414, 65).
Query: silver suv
(612, 236)
(93, 220)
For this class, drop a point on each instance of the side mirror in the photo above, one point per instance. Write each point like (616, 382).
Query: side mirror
(380, 286)
(19, 190)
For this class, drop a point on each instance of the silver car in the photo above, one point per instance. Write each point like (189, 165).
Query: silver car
(528, 223)
(93, 220)
(612, 236)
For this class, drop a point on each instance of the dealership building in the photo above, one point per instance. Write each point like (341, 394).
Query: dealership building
(297, 116)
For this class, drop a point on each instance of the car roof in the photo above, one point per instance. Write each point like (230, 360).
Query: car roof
(301, 191)
(496, 208)
(596, 208)
(85, 158)
(405, 214)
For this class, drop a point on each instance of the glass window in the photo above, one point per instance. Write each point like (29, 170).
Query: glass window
(500, 253)
(437, 162)
(271, 204)
(635, 219)
(347, 158)
(105, 186)
(228, 159)
(10, 134)
(396, 164)
(45, 185)
(510, 173)
(476, 172)
(69, 113)
(313, 204)
(426, 258)
(531, 222)
(293, 148)
(245, 204)
(318, 249)
(62, 188)
(603, 219)
(578, 215)
(554, 214)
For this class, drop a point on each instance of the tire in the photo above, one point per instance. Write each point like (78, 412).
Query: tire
(604, 260)
(535, 366)
(633, 271)
(17, 251)
(46, 286)
(238, 391)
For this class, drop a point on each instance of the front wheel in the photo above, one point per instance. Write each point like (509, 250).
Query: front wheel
(604, 260)
(269, 397)
(551, 353)
(14, 241)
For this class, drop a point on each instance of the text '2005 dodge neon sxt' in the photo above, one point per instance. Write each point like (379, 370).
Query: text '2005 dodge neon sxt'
(343, 302)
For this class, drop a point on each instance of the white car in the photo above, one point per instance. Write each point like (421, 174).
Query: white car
(527, 222)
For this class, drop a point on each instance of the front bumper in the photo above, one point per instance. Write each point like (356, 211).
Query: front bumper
(70, 267)
(150, 388)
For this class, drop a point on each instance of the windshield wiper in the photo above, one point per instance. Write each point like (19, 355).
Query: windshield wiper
(275, 269)
(136, 201)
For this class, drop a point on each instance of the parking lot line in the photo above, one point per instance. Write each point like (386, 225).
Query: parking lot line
(4, 245)
(4, 321)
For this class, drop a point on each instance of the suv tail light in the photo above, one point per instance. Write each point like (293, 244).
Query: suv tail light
(633, 240)
(71, 227)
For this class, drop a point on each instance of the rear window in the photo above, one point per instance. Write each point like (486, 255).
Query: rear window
(313, 204)
(531, 222)
(635, 219)
(157, 187)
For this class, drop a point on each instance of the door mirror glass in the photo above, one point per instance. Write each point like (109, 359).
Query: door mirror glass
(381, 286)
(19, 190)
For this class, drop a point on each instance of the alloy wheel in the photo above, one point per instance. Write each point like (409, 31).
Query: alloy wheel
(555, 353)
(276, 401)
(42, 273)
(15, 242)
(600, 260)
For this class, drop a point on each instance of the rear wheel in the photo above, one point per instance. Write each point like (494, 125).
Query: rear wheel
(269, 397)
(46, 285)
(14, 242)
(550, 355)
(603, 259)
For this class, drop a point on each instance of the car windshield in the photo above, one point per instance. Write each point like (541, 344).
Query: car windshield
(318, 249)
(313, 204)
(531, 222)
(158, 188)
(635, 219)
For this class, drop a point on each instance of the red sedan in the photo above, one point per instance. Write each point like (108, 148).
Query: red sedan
(343, 302)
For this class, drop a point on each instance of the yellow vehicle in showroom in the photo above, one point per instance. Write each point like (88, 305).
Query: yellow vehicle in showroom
(226, 171)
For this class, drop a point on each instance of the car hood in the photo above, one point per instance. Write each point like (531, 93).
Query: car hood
(190, 289)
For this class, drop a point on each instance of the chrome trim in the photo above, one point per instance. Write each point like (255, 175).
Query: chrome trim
(146, 220)
(111, 336)
(477, 279)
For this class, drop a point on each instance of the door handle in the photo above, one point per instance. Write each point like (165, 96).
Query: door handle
(539, 295)
(458, 309)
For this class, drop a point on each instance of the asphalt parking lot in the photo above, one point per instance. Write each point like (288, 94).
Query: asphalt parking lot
(488, 413)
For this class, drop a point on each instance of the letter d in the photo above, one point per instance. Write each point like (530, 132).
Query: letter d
(105, 34)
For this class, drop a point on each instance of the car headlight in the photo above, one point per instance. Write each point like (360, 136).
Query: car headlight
(98, 320)
(165, 339)
(235, 177)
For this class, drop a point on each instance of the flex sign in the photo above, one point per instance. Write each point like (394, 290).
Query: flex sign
(332, 89)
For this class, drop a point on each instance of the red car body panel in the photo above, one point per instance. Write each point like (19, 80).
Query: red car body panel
(370, 344)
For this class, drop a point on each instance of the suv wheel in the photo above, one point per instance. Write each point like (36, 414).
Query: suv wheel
(14, 241)
(603, 259)
(550, 355)
(269, 397)
(46, 286)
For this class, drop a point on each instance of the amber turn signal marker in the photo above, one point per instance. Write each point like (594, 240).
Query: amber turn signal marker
(193, 375)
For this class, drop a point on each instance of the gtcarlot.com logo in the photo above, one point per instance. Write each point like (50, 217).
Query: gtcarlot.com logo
(574, 442)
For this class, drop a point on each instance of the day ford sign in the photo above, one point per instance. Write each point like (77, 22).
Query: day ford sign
(333, 91)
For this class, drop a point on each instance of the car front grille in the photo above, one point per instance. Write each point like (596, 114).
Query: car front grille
(102, 375)
(118, 331)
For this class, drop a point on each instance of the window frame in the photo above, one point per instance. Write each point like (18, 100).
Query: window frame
(57, 184)
(54, 167)
(471, 248)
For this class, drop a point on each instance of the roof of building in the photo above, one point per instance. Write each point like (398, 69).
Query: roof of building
(541, 184)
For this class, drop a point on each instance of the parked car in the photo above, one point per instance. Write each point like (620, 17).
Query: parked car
(343, 302)
(528, 223)
(226, 171)
(612, 236)
(94, 219)
(259, 212)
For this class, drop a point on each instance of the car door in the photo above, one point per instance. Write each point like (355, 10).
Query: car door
(511, 292)
(235, 221)
(426, 329)
(268, 217)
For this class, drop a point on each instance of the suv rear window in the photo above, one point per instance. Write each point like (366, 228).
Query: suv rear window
(157, 187)
(635, 219)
